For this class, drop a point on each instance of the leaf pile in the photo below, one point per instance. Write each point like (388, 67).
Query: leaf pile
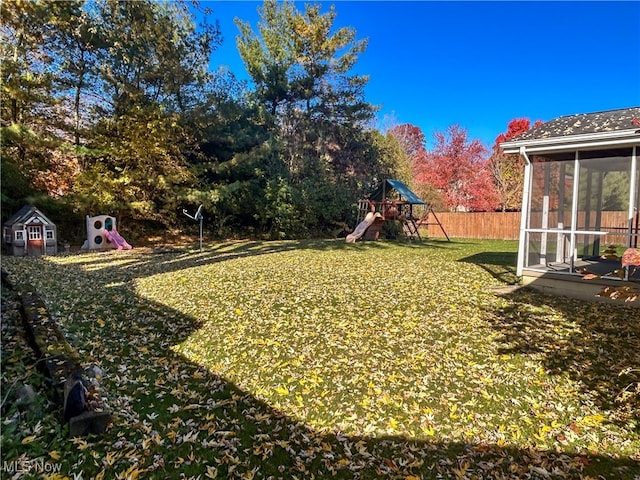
(319, 359)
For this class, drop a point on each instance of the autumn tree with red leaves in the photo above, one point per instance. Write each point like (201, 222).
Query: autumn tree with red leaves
(508, 169)
(457, 168)
(412, 141)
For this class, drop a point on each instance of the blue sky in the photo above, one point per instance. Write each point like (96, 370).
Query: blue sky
(479, 64)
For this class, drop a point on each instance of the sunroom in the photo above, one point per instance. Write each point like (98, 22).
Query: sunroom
(581, 195)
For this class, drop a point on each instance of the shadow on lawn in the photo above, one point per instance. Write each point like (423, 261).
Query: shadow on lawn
(179, 258)
(596, 344)
(161, 395)
(501, 265)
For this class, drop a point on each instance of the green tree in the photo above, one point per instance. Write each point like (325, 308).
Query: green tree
(35, 160)
(153, 76)
(300, 63)
(75, 45)
(100, 102)
(27, 96)
(269, 58)
(152, 53)
(394, 161)
(237, 159)
(136, 166)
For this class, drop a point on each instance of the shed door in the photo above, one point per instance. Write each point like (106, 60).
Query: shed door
(35, 243)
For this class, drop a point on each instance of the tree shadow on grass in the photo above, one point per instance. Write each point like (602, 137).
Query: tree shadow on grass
(501, 265)
(174, 418)
(596, 344)
(178, 258)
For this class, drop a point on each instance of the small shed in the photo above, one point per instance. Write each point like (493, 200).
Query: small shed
(30, 233)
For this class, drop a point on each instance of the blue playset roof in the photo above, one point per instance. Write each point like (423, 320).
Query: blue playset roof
(405, 192)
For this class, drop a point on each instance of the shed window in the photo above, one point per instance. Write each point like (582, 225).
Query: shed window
(49, 234)
(35, 233)
(19, 234)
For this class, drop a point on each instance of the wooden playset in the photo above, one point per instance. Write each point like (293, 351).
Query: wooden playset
(393, 201)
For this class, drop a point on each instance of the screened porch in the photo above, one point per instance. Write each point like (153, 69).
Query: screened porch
(582, 213)
(581, 195)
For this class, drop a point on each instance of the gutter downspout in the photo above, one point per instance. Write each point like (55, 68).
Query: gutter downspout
(524, 211)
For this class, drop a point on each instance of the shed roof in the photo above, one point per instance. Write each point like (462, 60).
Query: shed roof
(24, 214)
(621, 126)
(404, 191)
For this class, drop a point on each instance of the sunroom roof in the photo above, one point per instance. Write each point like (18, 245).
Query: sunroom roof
(584, 123)
(611, 126)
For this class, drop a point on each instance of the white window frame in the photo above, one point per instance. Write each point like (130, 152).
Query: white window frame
(34, 232)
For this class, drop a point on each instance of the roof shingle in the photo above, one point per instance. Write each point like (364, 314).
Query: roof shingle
(584, 123)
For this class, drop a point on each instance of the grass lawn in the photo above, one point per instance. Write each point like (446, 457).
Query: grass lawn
(320, 359)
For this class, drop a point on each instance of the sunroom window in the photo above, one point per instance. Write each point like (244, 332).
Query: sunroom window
(583, 209)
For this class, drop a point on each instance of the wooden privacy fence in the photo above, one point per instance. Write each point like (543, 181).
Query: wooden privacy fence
(504, 225)
(499, 225)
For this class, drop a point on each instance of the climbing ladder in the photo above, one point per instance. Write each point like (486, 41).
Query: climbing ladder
(410, 229)
(409, 222)
(363, 209)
